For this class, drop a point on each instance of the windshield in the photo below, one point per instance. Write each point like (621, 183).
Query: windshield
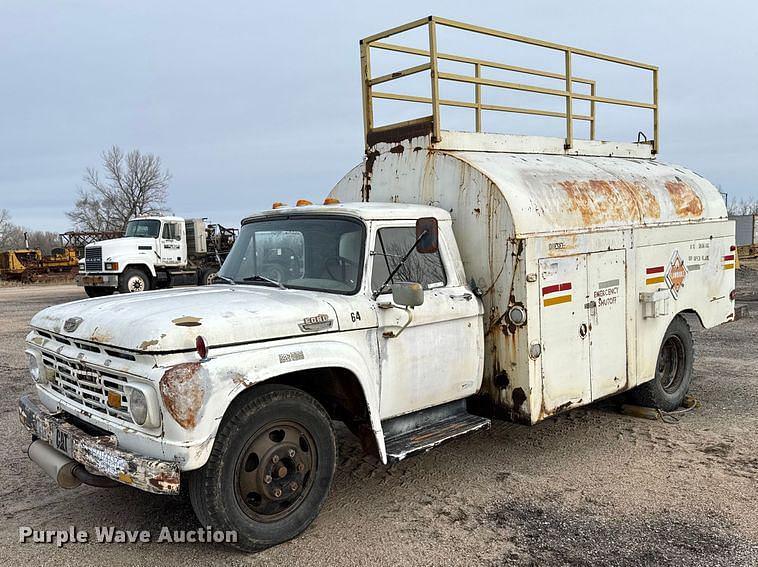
(321, 253)
(143, 228)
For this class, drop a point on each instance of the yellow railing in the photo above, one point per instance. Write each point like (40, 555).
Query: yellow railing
(433, 56)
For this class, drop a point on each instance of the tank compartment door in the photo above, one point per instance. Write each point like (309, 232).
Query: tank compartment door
(606, 312)
(564, 331)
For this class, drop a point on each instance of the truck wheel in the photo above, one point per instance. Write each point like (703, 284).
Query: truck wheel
(673, 371)
(97, 291)
(270, 469)
(133, 280)
(207, 276)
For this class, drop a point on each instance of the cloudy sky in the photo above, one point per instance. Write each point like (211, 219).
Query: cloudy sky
(251, 102)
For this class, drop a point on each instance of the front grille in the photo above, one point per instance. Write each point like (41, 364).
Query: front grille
(93, 258)
(87, 385)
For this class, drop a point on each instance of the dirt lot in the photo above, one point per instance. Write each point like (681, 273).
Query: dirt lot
(591, 487)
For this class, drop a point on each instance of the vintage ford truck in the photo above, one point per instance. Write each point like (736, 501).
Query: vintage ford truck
(450, 278)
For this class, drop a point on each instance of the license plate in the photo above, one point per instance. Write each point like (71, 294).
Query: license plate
(61, 440)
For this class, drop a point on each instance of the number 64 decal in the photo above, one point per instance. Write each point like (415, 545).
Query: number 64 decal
(355, 316)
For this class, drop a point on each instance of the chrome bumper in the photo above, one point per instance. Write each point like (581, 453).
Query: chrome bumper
(99, 453)
(97, 280)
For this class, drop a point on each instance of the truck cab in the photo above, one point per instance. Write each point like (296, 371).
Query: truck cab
(154, 252)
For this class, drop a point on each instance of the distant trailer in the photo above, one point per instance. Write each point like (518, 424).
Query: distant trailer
(746, 229)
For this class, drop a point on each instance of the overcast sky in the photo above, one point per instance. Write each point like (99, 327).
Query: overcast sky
(250, 102)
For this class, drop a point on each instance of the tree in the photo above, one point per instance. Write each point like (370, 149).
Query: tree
(14, 237)
(132, 184)
(8, 231)
(747, 206)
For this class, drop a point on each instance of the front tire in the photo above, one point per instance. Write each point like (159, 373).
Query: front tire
(673, 370)
(133, 280)
(207, 276)
(270, 469)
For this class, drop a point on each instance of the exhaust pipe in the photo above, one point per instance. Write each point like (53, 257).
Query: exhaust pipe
(57, 465)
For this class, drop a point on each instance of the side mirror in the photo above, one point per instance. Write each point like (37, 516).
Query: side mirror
(428, 243)
(408, 294)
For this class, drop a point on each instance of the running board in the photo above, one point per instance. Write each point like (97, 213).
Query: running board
(423, 430)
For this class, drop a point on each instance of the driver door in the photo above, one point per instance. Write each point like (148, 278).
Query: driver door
(171, 249)
(436, 359)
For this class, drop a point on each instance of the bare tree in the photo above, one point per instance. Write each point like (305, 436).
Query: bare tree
(14, 237)
(747, 206)
(7, 230)
(131, 184)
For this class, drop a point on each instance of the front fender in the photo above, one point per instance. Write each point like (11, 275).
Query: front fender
(137, 262)
(196, 395)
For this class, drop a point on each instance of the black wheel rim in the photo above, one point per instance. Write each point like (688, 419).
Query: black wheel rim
(274, 472)
(670, 367)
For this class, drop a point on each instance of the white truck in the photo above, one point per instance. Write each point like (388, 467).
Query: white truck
(155, 252)
(450, 278)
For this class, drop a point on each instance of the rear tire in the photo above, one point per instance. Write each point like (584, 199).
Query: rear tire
(673, 370)
(270, 469)
(134, 280)
(97, 291)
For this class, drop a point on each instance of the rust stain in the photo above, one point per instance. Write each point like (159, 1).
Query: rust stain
(182, 391)
(397, 149)
(239, 379)
(686, 202)
(164, 480)
(96, 337)
(519, 397)
(187, 321)
(146, 344)
(368, 171)
(600, 201)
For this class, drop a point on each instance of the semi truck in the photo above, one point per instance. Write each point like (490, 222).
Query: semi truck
(451, 278)
(155, 252)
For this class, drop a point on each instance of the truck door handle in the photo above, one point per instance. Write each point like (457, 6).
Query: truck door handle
(467, 296)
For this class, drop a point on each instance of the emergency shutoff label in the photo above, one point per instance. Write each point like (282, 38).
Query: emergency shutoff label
(607, 294)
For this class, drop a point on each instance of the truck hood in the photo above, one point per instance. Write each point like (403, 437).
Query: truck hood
(125, 244)
(170, 320)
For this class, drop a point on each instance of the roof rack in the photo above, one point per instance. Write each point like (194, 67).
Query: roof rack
(433, 56)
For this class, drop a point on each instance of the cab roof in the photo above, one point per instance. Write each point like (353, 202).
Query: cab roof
(366, 211)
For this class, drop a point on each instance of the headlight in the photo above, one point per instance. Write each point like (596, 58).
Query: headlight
(34, 366)
(111, 265)
(138, 406)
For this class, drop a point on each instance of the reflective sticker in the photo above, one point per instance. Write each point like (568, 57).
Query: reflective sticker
(556, 298)
(654, 275)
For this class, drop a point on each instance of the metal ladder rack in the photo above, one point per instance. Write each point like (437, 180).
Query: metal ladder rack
(433, 57)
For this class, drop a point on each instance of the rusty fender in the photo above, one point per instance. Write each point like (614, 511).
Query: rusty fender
(195, 395)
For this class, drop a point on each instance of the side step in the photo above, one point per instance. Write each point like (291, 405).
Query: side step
(423, 430)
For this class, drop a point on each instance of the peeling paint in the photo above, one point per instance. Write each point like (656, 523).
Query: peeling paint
(599, 201)
(686, 202)
(183, 392)
(187, 321)
(144, 345)
(100, 337)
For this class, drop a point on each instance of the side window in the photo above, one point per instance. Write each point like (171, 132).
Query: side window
(171, 231)
(390, 245)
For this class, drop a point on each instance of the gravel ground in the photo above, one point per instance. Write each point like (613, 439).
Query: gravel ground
(590, 487)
